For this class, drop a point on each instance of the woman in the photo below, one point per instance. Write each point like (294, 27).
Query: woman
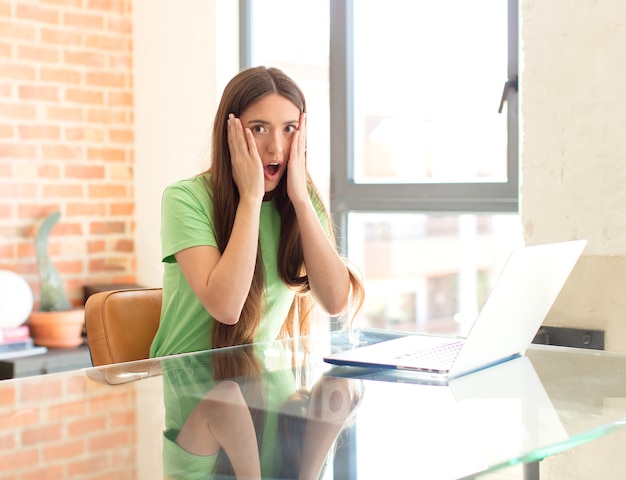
(248, 245)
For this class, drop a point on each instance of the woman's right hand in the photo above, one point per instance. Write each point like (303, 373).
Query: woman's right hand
(246, 162)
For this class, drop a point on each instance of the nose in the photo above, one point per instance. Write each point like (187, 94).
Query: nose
(275, 143)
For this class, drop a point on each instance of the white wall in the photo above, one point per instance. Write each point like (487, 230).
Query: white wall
(574, 122)
(184, 53)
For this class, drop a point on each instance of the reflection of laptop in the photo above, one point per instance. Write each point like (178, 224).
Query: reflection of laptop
(497, 416)
(507, 323)
(482, 396)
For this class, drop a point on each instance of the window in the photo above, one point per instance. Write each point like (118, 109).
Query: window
(416, 107)
(300, 49)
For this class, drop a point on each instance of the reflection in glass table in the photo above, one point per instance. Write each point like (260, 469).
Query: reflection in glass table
(160, 418)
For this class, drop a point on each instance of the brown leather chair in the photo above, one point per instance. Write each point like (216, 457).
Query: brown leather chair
(121, 324)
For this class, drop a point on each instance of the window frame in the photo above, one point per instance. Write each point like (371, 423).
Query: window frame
(347, 196)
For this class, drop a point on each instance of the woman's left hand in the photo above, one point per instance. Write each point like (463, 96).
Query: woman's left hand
(296, 167)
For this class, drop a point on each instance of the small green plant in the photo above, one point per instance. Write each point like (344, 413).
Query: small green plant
(53, 295)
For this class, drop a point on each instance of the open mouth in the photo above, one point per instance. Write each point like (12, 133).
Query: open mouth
(271, 168)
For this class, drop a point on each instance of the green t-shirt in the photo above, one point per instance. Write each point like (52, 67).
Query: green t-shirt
(187, 221)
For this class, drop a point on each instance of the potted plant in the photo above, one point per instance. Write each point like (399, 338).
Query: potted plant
(57, 323)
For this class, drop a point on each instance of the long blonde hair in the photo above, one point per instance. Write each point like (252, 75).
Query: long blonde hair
(242, 91)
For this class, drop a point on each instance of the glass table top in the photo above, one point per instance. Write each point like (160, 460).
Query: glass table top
(278, 410)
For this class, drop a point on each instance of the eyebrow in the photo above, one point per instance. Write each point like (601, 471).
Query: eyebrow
(265, 122)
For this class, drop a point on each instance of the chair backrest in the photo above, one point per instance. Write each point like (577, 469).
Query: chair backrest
(121, 324)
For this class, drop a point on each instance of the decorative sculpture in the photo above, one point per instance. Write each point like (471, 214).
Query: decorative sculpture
(53, 296)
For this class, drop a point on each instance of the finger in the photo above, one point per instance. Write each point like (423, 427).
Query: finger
(303, 128)
(237, 137)
(251, 143)
(295, 145)
(232, 134)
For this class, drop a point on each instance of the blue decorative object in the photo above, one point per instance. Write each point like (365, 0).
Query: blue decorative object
(53, 296)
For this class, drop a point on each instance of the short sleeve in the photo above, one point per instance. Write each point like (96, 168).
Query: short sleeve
(186, 218)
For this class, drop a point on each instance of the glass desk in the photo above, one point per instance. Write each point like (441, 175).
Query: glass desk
(128, 421)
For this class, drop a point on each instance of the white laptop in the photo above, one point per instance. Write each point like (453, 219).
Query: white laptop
(506, 325)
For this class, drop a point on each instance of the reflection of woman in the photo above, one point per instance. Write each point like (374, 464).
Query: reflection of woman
(221, 407)
(230, 416)
(310, 422)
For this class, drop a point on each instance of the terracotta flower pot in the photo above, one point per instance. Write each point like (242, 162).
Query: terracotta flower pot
(57, 329)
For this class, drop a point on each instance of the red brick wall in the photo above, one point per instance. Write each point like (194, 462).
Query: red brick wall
(66, 138)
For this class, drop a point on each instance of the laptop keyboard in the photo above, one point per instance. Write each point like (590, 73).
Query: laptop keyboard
(437, 358)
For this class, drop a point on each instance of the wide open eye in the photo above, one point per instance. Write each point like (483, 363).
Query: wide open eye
(257, 129)
(290, 128)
